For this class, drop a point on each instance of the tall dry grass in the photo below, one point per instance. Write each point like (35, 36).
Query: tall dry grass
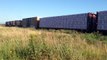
(31, 44)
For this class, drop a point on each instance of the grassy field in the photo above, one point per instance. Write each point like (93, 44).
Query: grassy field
(31, 44)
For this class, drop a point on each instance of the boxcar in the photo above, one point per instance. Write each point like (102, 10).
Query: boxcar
(34, 22)
(18, 23)
(12, 23)
(31, 22)
(102, 21)
(8, 23)
(25, 22)
(76, 22)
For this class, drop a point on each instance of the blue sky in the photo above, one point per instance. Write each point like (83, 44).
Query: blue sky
(18, 9)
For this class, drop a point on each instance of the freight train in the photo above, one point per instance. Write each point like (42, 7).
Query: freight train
(89, 22)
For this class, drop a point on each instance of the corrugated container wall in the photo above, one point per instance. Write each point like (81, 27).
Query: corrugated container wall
(31, 22)
(25, 23)
(102, 20)
(34, 22)
(77, 21)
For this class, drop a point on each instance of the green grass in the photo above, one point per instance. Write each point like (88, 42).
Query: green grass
(31, 44)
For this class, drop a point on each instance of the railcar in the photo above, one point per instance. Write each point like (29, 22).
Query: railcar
(18, 23)
(31, 22)
(102, 21)
(82, 22)
(12, 23)
(8, 23)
